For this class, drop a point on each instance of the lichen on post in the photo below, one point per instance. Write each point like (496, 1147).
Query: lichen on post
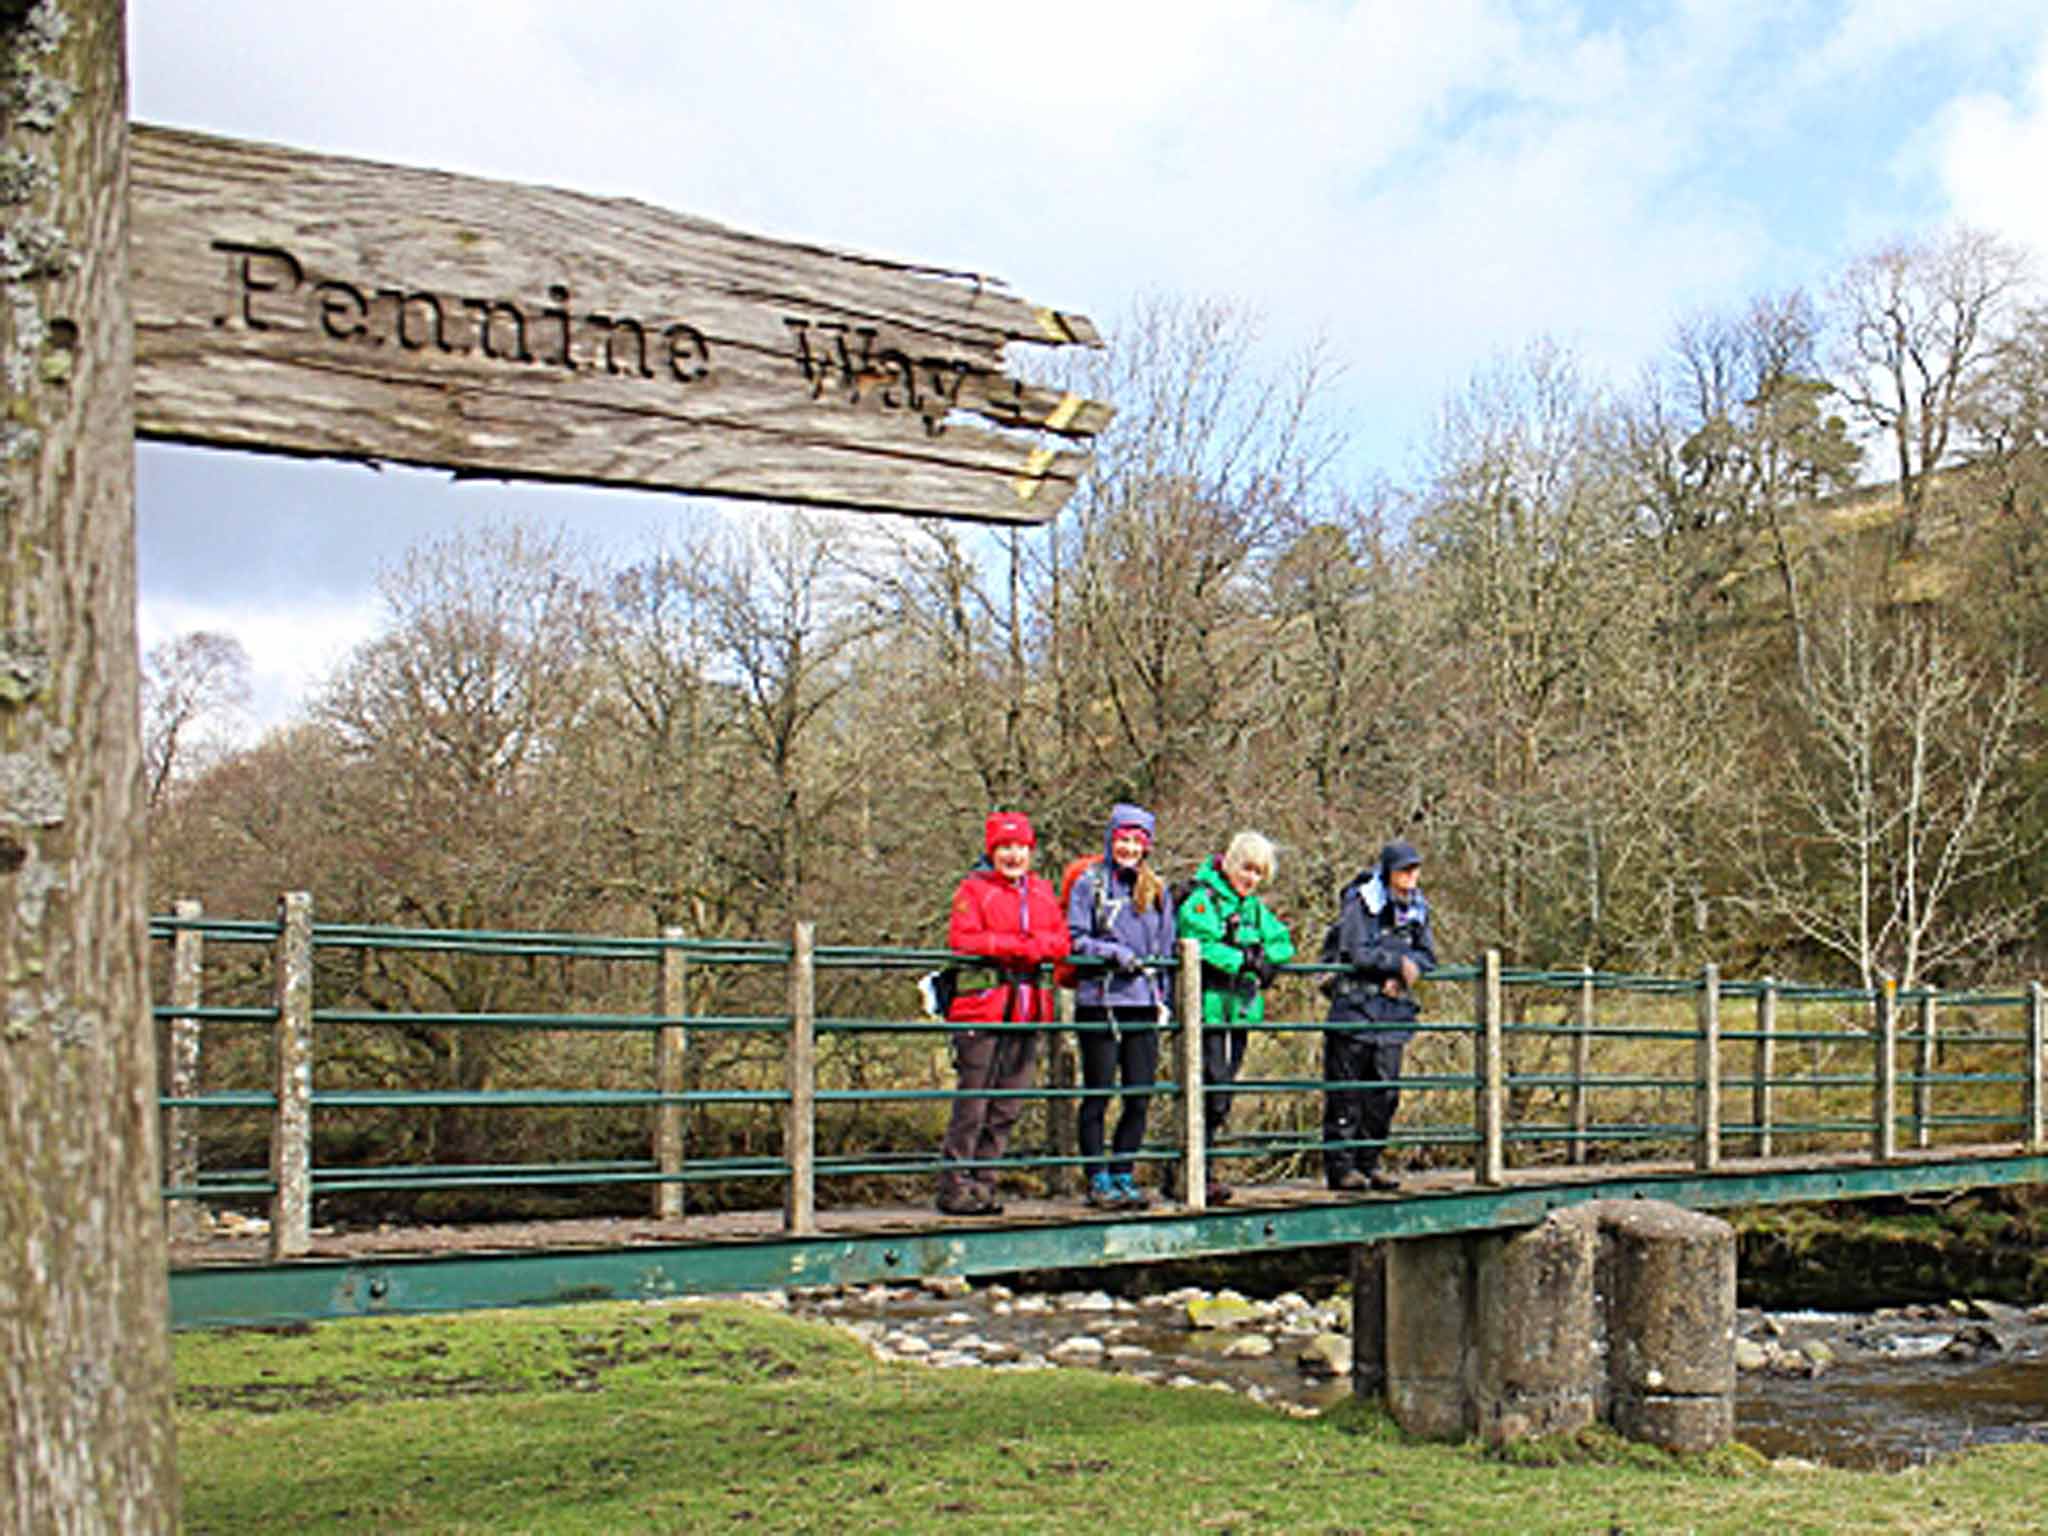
(84, 1348)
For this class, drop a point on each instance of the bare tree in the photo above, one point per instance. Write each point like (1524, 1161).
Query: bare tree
(1906, 797)
(1921, 321)
(190, 684)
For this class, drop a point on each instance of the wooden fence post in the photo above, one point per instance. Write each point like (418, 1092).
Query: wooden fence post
(1490, 1106)
(800, 1122)
(181, 1069)
(1884, 1116)
(671, 1046)
(1582, 1065)
(1706, 1153)
(2037, 1102)
(1194, 1152)
(1923, 1090)
(291, 1131)
(1763, 1093)
(1062, 1130)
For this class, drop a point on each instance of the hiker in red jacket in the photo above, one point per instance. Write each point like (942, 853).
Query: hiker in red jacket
(1013, 918)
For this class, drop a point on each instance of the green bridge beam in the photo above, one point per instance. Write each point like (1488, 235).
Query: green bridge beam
(315, 1289)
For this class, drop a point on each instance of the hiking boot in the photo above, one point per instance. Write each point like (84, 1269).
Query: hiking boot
(1220, 1193)
(1349, 1179)
(1128, 1193)
(990, 1205)
(1103, 1192)
(960, 1200)
(1385, 1183)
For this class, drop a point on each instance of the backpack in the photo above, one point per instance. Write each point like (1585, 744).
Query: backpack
(1063, 972)
(1332, 954)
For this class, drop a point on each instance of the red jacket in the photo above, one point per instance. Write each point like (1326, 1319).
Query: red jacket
(1017, 929)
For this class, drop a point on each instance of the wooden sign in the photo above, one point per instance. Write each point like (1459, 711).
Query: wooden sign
(305, 304)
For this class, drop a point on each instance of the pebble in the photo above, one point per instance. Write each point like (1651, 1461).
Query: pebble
(1093, 1301)
(1080, 1347)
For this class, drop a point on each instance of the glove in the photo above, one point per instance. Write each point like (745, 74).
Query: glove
(1125, 958)
(1247, 983)
(1256, 962)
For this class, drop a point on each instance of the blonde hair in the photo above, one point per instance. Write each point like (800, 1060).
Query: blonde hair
(1147, 887)
(1250, 850)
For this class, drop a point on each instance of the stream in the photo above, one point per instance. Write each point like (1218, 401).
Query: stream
(1886, 1389)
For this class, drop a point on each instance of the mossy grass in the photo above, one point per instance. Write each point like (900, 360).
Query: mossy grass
(720, 1416)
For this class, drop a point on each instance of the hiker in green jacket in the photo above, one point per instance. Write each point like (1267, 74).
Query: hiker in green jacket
(1243, 947)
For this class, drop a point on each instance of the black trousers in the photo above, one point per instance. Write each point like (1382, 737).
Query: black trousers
(1130, 1051)
(1358, 1114)
(1222, 1058)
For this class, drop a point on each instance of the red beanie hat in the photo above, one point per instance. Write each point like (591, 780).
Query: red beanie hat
(1007, 827)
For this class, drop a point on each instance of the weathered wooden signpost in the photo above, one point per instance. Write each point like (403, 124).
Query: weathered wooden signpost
(308, 305)
(312, 305)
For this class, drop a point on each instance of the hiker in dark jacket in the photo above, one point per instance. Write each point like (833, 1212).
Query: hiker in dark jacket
(1119, 912)
(1383, 936)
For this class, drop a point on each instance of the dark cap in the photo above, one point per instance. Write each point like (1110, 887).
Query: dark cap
(1399, 856)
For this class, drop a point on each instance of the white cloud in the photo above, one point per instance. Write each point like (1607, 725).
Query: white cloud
(1990, 152)
(291, 650)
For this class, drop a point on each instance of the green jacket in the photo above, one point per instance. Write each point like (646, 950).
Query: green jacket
(1222, 922)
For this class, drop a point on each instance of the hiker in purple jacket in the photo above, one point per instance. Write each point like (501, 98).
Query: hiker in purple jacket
(1120, 912)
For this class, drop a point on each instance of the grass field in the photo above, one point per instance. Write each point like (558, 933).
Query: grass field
(724, 1417)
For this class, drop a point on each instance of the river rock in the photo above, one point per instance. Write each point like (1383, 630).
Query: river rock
(907, 1344)
(1968, 1343)
(1029, 1306)
(1224, 1310)
(970, 1343)
(1122, 1353)
(951, 1359)
(998, 1292)
(1328, 1354)
(1079, 1350)
(1819, 1353)
(1750, 1355)
(949, 1287)
(1253, 1346)
(957, 1319)
(1093, 1301)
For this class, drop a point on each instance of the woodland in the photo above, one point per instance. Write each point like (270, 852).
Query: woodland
(1739, 659)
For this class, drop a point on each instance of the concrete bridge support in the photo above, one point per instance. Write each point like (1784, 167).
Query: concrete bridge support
(1616, 1311)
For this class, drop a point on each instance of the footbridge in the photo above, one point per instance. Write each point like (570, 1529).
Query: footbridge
(343, 1104)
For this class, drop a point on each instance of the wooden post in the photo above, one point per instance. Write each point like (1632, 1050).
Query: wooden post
(86, 1439)
(291, 1131)
(1884, 1117)
(2037, 1101)
(181, 1074)
(1582, 1065)
(1706, 1154)
(800, 1122)
(1194, 1152)
(1923, 1090)
(1369, 1320)
(1490, 1106)
(1763, 1091)
(671, 1046)
(1062, 1128)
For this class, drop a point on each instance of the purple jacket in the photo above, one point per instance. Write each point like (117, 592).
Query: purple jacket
(1103, 917)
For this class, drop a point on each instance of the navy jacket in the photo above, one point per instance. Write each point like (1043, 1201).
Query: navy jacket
(1374, 934)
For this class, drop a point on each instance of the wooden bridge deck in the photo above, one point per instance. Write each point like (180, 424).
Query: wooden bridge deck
(224, 1280)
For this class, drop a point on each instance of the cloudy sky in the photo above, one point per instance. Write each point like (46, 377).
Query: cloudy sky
(1422, 183)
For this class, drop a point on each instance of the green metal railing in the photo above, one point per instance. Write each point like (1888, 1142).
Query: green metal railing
(1546, 1066)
